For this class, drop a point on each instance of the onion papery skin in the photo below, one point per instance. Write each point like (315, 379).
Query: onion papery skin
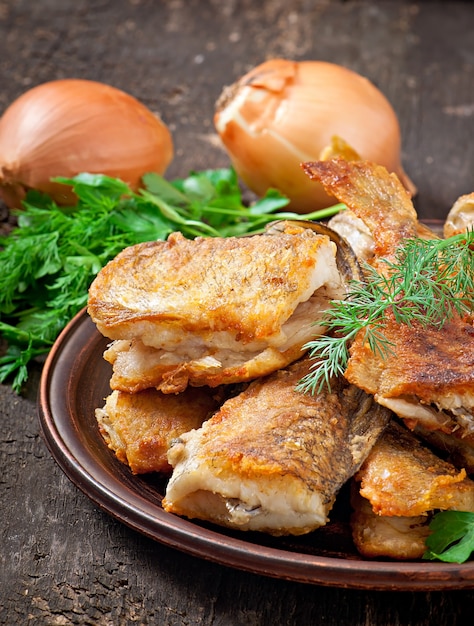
(284, 113)
(66, 127)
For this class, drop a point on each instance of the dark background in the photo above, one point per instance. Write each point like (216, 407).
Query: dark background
(62, 560)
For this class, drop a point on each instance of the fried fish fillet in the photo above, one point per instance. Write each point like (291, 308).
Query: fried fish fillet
(374, 196)
(402, 477)
(140, 427)
(355, 232)
(398, 487)
(359, 237)
(461, 216)
(273, 459)
(212, 310)
(430, 380)
(376, 536)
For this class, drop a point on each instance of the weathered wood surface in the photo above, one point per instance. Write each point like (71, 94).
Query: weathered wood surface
(65, 562)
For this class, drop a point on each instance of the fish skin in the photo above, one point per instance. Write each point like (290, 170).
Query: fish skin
(206, 285)
(273, 459)
(434, 365)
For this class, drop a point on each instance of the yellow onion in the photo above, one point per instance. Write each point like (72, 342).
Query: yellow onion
(65, 127)
(283, 113)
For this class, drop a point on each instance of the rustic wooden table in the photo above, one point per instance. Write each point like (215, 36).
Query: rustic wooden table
(64, 561)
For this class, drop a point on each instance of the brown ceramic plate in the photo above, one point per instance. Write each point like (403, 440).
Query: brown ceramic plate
(75, 382)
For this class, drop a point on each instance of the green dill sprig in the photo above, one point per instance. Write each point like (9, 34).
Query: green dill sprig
(428, 282)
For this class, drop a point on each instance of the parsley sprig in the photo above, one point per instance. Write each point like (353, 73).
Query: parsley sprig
(49, 260)
(452, 537)
(428, 282)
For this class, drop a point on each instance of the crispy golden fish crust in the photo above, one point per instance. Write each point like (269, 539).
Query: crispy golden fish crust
(430, 380)
(395, 492)
(375, 196)
(205, 285)
(435, 366)
(140, 427)
(273, 459)
(211, 311)
(402, 477)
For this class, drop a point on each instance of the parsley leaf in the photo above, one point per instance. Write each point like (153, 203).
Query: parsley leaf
(452, 537)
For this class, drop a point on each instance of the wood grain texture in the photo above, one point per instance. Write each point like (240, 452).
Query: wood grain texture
(63, 561)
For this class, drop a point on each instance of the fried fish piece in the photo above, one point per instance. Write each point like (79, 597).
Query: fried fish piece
(430, 379)
(211, 311)
(395, 492)
(359, 237)
(376, 536)
(402, 477)
(140, 427)
(273, 459)
(374, 196)
(461, 216)
(456, 446)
